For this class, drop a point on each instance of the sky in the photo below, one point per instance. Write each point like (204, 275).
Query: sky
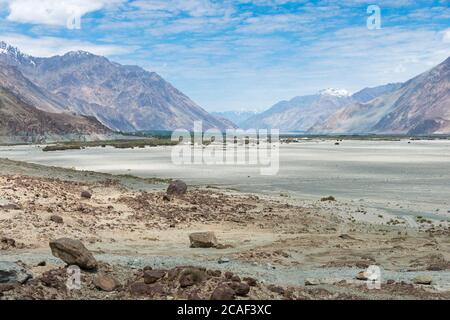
(242, 54)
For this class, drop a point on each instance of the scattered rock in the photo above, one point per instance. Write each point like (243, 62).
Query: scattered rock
(57, 219)
(223, 292)
(42, 264)
(177, 188)
(423, 279)
(276, 289)
(203, 240)
(73, 252)
(8, 242)
(346, 237)
(190, 277)
(166, 198)
(6, 205)
(86, 194)
(362, 275)
(251, 281)
(330, 198)
(240, 288)
(223, 260)
(106, 283)
(11, 273)
(151, 276)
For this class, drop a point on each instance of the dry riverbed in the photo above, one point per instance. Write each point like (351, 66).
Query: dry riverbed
(269, 248)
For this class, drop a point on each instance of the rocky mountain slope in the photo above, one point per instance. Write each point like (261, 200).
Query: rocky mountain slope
(124, 98)
(420, 106)
(20, 120)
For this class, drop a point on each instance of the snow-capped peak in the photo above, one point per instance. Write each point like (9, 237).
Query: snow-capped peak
(335, 92)
(14, 54)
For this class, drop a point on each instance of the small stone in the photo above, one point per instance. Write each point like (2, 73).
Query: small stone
(240, 288)
(6, 205)
(106, 283)
(57, 219)
(423, 279)
(42, 264)
(203, 240)
(223, 260)
(223, 292)
(86, 194)
(276, 289)
(362, 275)
(311, 282)
(251, 281)
(177, 188)
(151, 276)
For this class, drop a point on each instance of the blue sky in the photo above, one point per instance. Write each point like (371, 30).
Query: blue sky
(242, 54)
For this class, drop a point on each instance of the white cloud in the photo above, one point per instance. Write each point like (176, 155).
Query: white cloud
(53, 12)
(50, 46)
(446, 36)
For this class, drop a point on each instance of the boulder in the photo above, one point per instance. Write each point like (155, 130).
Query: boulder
(223, 292)
(151, 276)
(73, 252)
(106, 283)
(203, 240)
(11, 272)
(177, 188)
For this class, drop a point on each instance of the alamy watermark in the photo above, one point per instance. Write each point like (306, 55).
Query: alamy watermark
(236, 147)
(374, 20)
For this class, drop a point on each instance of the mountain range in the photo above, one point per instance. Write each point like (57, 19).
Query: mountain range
(121, 98)
(420, 106)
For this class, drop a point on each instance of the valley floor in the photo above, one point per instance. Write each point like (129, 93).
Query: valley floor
(282, 249)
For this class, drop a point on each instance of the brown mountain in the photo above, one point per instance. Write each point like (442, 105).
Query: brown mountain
(18, 120)
(125, 98)
(420, 106)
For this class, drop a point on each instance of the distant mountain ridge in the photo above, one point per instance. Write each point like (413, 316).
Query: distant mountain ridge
(300, 113)
(420, 106)
(236, 117)
(124, 98)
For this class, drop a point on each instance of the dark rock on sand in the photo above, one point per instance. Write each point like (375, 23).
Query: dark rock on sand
(73, 252)
(240, 288)
(151, 276)
(177, 188)
(57, 219)
(86, 194)
(11, 273)
(223, 292)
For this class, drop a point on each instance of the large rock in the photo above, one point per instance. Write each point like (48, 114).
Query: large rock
(177, 188)
(13, 273)
(203, 240)
(73, 252)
